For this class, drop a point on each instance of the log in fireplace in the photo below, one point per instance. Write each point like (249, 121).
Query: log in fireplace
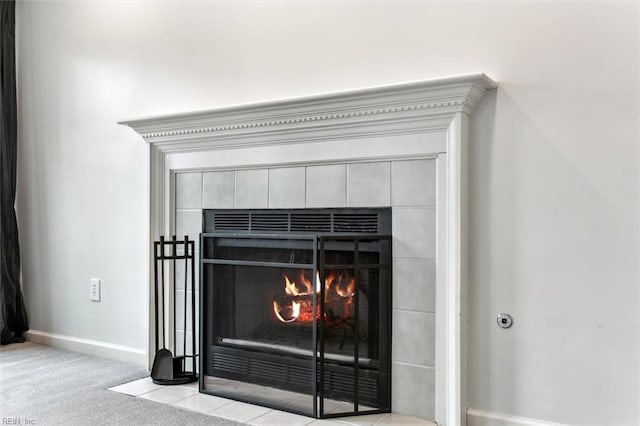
(296, 309)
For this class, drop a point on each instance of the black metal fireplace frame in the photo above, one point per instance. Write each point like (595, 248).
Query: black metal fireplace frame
(319, 364)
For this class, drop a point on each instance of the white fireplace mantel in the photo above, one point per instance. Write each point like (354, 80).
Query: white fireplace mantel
(425, 119)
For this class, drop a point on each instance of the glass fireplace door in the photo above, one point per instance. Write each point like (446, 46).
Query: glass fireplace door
(355, 328)
(259, 313)
(300, 323)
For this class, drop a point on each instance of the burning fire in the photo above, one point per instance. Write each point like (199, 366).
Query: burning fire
(291, 312)
(297, 303)
(291, 288)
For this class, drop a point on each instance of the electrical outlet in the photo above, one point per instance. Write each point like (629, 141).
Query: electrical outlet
(94, 289)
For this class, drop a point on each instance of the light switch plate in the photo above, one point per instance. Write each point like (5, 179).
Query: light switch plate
(94, 289)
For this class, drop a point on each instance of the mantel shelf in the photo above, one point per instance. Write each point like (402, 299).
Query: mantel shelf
(400, 108)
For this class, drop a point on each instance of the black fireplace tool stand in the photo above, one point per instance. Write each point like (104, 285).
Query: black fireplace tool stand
(169, 368)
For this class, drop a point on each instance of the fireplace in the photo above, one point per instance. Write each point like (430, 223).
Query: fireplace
(296, 309)
(403, 147)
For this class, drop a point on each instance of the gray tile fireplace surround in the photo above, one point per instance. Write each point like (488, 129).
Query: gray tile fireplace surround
(408, 186)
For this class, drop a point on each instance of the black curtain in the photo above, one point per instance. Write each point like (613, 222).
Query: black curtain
(13, 319)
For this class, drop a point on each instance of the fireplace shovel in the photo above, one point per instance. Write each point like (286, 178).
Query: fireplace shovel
(170, 370)
(162, 369)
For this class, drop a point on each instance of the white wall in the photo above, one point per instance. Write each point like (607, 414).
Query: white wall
(555, 161)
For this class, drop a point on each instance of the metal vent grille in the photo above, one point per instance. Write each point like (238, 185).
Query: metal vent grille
(291, 374)
(355, 222)
(230, 363)
(320, 222)
(299, 375)
(326, 221)
(340, 382)
(270, 222)
(231, 221)
(267, 369)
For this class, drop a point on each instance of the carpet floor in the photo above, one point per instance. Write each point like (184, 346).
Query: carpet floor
(42, 385)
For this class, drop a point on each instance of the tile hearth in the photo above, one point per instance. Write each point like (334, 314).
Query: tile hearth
(187, 397)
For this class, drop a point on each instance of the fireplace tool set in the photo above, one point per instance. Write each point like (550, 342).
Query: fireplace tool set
(174, 367)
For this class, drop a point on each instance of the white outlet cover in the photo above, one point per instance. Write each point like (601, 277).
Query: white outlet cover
(94, 289)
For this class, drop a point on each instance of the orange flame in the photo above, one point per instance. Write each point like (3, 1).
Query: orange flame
(346, 289)
(337, 286)
(290, 288)
(291, 312)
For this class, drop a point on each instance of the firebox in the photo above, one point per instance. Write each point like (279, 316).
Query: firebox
(296, 309)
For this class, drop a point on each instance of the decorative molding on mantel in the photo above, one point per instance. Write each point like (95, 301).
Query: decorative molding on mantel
(397, 109)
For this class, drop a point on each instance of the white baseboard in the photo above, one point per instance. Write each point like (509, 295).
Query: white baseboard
(91, 347)
(493, 418)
